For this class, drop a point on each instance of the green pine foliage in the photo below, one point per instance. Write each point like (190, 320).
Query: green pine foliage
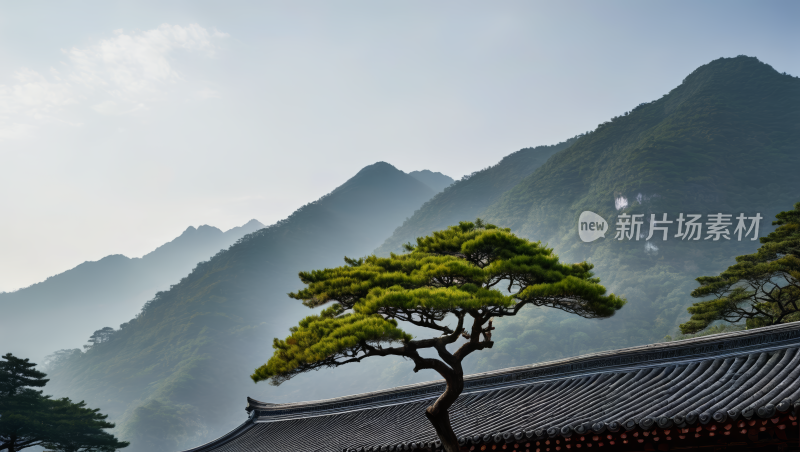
(76, 428)
(457, 271)
(28, 418)
(21, 406)
(17, 374)
(762, 288)
(454, 282)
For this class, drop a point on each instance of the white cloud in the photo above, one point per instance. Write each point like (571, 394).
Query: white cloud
(32, 97)
(115, 76)
(129, 66)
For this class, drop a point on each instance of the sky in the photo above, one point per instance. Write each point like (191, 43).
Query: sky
(124, 122)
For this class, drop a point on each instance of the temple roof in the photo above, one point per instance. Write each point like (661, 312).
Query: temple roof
(718, 378)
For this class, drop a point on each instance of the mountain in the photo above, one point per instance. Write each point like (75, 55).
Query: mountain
(724, 141)
(176, 375)
(437, 181)
(467, 198)
(64, 310)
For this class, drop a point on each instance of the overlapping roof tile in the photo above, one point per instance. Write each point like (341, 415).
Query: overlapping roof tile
(716, 378)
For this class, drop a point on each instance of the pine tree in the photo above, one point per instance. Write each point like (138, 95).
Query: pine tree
(449, 282)
(29, 418)
(762, 288)
(100, 336)
(21, 426)
(75, 428)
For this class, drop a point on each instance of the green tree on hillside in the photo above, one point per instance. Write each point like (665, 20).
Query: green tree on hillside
(29, 418)
(76, 428)
(100, 336)
(454, 282)
(762, 288)
(20, 404)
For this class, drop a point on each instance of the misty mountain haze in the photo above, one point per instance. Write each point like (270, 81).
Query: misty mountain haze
(437, 181)
(467, 198)
(350, 129)
(724, 140)
(176, 374)
(107, 292)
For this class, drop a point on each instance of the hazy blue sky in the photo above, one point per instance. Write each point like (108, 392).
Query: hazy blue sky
(122, 123)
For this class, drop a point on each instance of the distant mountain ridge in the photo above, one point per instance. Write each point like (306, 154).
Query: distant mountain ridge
(726, 137)
(106, 292)
(175, 375)
(437, 181)
(467, 198)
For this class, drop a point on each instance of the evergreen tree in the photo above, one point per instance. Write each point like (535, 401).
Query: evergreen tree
(100, 336)
(21, 425)
(29, 418)
(449, 282)
(79, 429)
(762, 288)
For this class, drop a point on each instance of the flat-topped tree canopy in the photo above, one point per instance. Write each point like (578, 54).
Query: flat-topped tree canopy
(452, 272)
(449, 282)
(685, 393)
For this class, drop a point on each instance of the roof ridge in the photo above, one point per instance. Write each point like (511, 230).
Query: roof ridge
(738, 342)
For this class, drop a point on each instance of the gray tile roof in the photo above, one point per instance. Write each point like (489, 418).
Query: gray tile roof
(719, 378)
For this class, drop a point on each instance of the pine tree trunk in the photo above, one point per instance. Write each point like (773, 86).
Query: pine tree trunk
(438, 414)
(441, 422)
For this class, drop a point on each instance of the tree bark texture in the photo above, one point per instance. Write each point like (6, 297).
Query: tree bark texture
(441, 423)
(438, 413)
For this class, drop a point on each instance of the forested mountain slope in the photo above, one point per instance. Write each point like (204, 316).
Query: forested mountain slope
(724, 141)
(727, 140)
(64, 310)
(467, 198)
(178, 374)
